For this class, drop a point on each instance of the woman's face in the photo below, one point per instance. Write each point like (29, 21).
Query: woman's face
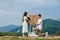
(26, 14)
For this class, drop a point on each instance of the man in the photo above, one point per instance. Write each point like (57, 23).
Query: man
(39, 25)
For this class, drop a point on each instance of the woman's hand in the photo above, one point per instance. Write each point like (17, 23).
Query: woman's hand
(32, 22)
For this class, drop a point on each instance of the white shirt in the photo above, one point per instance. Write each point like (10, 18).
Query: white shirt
(40, 24)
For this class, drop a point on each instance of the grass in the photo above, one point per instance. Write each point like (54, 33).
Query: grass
(25, 38)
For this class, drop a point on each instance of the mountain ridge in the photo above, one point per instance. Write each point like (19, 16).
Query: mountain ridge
(49, 25)
(7, 28)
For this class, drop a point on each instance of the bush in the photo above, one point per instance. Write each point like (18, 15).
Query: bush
(1, 34)
(58, 33)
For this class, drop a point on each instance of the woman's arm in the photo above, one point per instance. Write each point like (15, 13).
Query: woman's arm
(27, 19)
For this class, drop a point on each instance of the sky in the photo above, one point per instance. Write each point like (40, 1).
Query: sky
(11, 11)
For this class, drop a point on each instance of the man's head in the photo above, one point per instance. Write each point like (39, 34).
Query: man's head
(39, 15)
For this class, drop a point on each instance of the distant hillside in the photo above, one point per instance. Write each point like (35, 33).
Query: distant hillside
(8, 28)
(51, 26)
(58, 19)
(17, 30)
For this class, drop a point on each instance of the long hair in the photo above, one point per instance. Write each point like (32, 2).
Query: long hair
(25, 14)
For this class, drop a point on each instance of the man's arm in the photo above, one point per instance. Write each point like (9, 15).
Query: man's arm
(37, 24)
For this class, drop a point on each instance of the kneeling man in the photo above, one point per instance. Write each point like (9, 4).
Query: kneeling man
(39, 25)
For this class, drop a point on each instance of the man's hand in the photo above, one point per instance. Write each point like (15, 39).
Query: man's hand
(36, 24)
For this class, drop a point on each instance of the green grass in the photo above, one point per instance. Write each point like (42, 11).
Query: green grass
(17, 38)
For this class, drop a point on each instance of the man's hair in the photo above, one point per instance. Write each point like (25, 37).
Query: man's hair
(39, 15)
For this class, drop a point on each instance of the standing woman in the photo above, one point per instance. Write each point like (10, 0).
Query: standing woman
(25, 24)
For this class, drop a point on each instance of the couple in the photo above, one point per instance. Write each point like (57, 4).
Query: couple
(25, 21)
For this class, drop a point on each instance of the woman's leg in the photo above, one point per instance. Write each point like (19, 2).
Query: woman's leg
(23, 34)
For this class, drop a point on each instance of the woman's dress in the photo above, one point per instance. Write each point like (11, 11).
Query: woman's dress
(25, 25)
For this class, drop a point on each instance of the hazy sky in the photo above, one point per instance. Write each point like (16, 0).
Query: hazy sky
(11, 11)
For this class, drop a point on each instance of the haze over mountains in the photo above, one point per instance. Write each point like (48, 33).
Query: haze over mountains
(49, 25)
(8, 28)
(58, 19)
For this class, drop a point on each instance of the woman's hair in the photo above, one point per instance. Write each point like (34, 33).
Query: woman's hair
(25, 14)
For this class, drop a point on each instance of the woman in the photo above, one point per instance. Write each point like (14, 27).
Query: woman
(25, 24)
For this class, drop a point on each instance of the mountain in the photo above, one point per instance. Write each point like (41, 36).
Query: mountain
(58, 19)
(17, 30)
(8, 28)
(51, 26)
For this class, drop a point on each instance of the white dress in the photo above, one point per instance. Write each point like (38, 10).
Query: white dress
(25, 25)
